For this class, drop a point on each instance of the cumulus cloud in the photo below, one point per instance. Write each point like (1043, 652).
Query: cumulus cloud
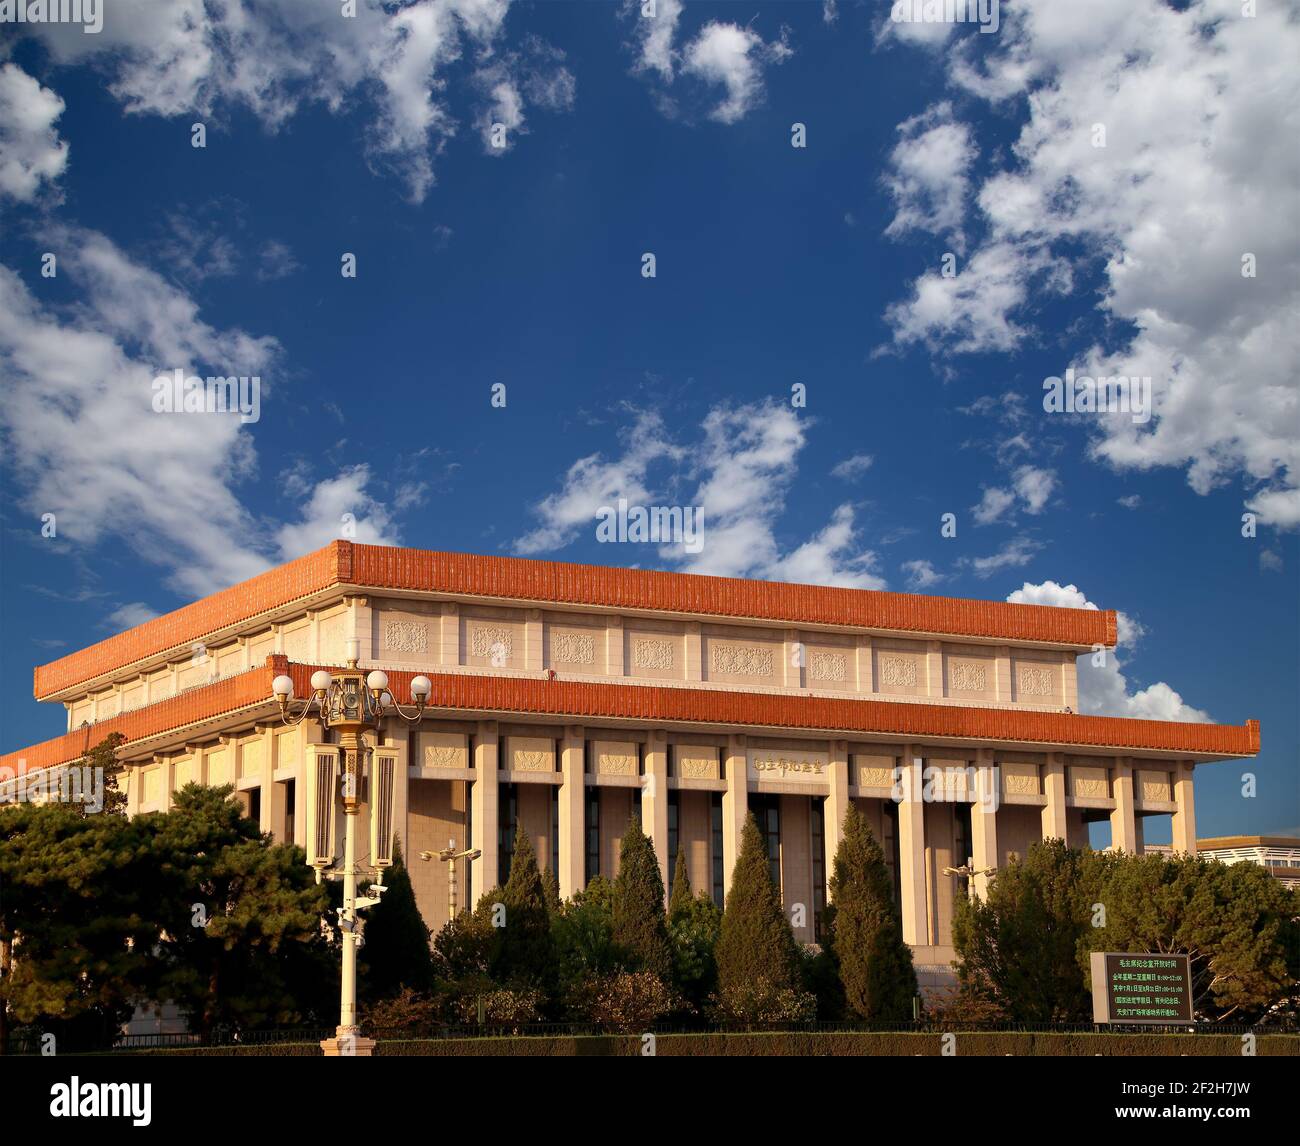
(79, 428)
(210, 59)
(1189, 183)
(31, 152)
(734, 57)
(921, 574)
(1104, 690)
(721, 54)
(927, 176)
(740, 467)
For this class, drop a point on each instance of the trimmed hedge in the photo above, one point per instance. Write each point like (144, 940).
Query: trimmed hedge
(800, 1044)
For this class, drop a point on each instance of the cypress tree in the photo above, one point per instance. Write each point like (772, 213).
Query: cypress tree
(551, 885)
(522, 952)
(757, 944)
(875, 965)
(680, 902)
(640, 925)
(396, 950)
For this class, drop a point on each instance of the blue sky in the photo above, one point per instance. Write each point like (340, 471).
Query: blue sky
(775, 265)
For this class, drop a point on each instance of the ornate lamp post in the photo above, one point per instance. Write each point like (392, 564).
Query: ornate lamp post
(449, 855)
(350, 705)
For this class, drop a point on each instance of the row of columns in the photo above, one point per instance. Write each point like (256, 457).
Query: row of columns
(735, 807)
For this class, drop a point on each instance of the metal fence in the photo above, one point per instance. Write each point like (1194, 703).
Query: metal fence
(29, 1043)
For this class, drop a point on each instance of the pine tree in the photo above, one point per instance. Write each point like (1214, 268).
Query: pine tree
(103, 759)
(640, 925)
(551, 885)
(396, 949)
(522, 952)
(875, 965)
(756, 945)
(680, 902)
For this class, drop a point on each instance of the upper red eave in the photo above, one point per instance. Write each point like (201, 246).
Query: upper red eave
(377, 567)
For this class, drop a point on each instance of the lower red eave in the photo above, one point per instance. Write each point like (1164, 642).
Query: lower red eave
(657, 704)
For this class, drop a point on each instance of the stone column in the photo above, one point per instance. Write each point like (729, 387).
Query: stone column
(1123, 820)
(694, 651)
(984, 820)
(1054, 824)
(654, 800)
(405, 741)
(911, 850)
(573, 810)
(449, 635)
(735, 805)
(485, 871)
(533, 641)
(1184, 819)
(837, 804)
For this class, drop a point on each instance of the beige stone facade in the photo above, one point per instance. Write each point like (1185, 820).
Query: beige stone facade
(961, 749)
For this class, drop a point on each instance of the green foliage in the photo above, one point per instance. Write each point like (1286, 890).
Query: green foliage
(464, 945)
(584, 942)
(1234, 921)
(681, 897)
(866, 938)
(78, 915)
(396, 949)
(551, 886)
(240, 916)
(522, 953)
(629, 1000)
(1024, 952)
(757, 954)
(103, 758)
(1017, 949)
(640, 925)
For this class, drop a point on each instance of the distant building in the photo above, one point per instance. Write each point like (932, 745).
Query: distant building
(1279, 854)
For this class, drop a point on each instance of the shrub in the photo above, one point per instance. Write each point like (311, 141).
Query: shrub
(629, 1000)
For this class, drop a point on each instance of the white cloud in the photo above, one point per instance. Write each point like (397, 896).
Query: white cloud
(210, 59)
(1034, 486)
(850, 469)
(592, 482)
(928, 175)
(339, 507)
(79, 427)
(995, 502)
(1191, 179)
(1104, 690)
(830, 12)
(742, 464)
(656, 34)
(921, 574)
(734, 57)
(1018, 551)
(129, 615)
(31, 152)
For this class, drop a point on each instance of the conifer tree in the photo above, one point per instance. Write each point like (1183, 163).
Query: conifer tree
(681, 897)
(875, 965)
(522, 951)
(396, 949)
(756, 946)
(640, 925)
(551, 885)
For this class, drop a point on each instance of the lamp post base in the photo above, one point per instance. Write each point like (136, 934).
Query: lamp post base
(347, 1043)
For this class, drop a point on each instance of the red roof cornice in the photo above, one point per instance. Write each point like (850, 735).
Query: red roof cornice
(377, 567)
(658, 704)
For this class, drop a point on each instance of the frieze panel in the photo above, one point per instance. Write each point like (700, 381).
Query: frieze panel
(967, 676)
(828, 667)
(1033, 680)
(741, 660)
(652, 654)
(898, 672)
(491, 641)
(573, 648)
(406, 636)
